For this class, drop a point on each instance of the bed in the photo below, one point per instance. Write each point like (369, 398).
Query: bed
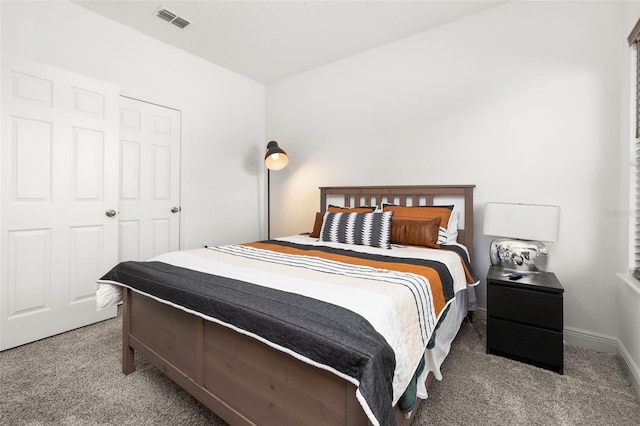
(240, 355)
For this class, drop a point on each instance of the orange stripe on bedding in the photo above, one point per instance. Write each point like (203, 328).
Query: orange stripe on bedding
(467, 273)
(431, 274)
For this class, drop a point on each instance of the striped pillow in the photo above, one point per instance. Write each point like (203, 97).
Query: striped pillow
(366, 229)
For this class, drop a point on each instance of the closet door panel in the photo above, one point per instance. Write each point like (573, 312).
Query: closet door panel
(59, 176)
(149, 179)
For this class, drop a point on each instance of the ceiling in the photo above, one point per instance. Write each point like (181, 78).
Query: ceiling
(269, 40)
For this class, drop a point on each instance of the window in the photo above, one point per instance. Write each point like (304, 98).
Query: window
(634, 42)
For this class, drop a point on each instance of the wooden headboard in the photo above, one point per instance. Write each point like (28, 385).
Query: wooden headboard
(411, 195)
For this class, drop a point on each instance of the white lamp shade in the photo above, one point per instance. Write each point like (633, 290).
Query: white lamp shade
(522, 221)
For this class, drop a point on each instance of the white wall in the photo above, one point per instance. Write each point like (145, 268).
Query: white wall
(222, 112)
(521, 100)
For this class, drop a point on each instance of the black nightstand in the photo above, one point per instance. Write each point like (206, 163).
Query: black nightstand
(525, 318)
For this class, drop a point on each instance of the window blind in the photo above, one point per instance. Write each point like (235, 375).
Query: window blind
(634, 42)
(636, 170)
(637, 57)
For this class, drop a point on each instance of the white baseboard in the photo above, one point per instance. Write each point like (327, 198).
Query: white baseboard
(480, 314)
(629, 366)
(590, 340)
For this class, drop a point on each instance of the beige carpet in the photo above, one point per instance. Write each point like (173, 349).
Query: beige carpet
(481, 389)
(75, 379)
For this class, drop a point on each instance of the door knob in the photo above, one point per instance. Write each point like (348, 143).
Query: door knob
(110, 213)
(175, 209)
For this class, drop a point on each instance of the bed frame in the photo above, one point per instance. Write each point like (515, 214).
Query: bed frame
(243, 380)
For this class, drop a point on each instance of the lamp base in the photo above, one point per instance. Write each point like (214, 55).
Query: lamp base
(518, 255)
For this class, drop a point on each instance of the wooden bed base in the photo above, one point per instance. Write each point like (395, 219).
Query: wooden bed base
(241, 379)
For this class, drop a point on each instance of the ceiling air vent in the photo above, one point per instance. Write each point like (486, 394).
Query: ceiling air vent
(171, 17)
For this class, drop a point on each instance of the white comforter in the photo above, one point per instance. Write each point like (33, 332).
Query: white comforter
(406, 330)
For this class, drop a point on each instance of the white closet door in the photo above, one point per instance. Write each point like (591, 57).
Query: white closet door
(59, 176)
(149, 219)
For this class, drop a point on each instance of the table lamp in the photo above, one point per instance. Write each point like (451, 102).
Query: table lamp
(522, 227)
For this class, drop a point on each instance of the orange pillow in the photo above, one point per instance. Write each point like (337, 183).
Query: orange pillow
(415, 232)
(423, 213)
(361, 209)
(317, 226)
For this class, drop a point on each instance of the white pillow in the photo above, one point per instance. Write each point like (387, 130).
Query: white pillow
(452, 227)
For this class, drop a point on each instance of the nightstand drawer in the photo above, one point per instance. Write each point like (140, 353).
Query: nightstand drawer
(536, 346)
(525, 306)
